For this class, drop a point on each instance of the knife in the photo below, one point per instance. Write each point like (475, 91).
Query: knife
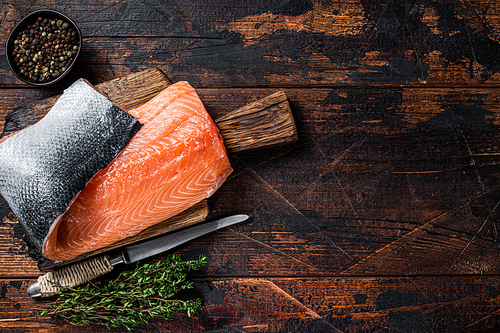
(85, 271)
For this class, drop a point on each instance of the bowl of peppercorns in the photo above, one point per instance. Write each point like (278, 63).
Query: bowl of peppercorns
(43, 47)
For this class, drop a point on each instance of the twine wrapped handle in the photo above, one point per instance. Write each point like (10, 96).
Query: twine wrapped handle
(74, 275)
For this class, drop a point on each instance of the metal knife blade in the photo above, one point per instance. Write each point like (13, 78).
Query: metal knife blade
(154, 246)
(143, 250)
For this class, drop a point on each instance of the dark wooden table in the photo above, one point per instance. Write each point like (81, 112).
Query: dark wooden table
(381, 218)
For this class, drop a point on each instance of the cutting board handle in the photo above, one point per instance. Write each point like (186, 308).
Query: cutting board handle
(264, 123)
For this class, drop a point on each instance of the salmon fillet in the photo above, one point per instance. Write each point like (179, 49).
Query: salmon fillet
(174, 161)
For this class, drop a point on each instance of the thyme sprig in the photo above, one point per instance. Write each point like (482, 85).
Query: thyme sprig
(133, 298)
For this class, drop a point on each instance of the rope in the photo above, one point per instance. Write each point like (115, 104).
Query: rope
(74, 275)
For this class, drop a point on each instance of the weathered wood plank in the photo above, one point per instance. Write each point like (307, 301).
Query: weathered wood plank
(407, 177)
(384, 180)
(414, 169)
(350, 304)
(280, 43)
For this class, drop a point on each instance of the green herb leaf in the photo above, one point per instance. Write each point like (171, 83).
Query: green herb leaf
(133, 298)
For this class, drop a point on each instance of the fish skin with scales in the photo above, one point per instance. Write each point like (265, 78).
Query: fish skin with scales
(44, 166)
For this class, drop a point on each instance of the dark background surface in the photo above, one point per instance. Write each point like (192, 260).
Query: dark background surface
(383, 217)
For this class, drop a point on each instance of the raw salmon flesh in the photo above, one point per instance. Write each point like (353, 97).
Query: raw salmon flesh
(175, 160)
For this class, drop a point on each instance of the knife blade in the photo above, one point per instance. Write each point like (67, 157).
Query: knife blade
(79, 273)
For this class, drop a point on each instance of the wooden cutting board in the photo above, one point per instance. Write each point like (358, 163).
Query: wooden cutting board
(263, 123)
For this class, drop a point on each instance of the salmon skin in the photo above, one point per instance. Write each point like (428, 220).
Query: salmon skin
(174, 161)
(44, 166)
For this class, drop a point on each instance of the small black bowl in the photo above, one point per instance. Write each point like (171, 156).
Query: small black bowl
(22, 25)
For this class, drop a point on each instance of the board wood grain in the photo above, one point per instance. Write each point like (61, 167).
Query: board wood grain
(372, 179)
(264, 44)
(348, 304)
(382, 217)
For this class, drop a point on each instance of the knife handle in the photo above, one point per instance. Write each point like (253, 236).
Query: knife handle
(74, 275)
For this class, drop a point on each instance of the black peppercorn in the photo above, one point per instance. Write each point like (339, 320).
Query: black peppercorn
(44, 49)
